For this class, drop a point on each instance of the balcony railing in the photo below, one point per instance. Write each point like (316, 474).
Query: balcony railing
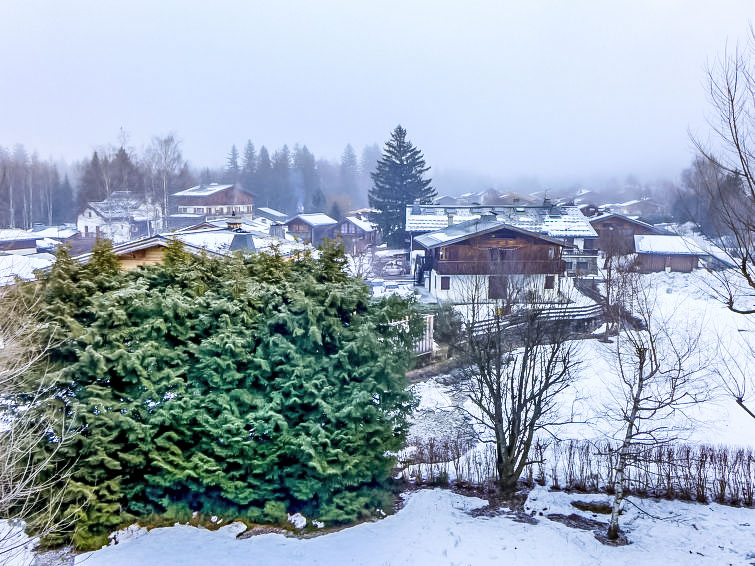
(499, 267)
(572, 252)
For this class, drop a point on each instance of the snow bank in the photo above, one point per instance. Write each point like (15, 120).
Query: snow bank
(435, 527)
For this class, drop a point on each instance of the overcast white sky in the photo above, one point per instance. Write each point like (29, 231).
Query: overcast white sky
(554, 90)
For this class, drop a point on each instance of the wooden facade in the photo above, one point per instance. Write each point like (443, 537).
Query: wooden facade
(497, 253)
(355, 238)
(310, 234)
(616, 233)
(648, 263)
(153, 255)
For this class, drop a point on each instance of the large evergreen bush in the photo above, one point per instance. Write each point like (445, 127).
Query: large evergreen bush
(247, 386)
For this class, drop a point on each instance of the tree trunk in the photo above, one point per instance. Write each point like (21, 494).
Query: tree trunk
(618, 498)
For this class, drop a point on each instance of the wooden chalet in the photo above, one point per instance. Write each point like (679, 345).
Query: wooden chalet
(492, 254)
(213, 200)
(357, 234)
(616, 232)
(667, 252)
(312, 228)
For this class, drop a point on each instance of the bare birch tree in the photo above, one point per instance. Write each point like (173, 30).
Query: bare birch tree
(164, 155)
(657, 375)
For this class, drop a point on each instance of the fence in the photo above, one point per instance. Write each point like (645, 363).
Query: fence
(425, 344)
(683, 471)
(552, 314)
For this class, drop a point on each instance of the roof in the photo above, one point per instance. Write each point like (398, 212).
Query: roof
(667, 245)
(124, 204)
(551, 221)
(459, 232)
(276, 214)
(22, 266)
(315, 219)
(12, 235)
(202, 190)
(365, 225)
(56, 232)
(607, 215)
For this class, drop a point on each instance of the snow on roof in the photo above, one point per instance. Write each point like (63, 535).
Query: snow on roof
(666, 244)
(316, 219)
(365, 225)
(459, 232)
(202, 190)
(604, 215)
(272, 212)
(57, 232)
(552, 221)
(22, 266)
(12, 234)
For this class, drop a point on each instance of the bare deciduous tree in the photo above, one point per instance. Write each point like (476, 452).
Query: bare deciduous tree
(28, 495)
(165, 159)
(515, 364)
(731, 88)
(657, 370)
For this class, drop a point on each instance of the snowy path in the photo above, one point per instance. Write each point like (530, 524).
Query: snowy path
(434, 528)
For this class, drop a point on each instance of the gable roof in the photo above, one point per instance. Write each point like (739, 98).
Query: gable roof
(667, 244)
(608, 215)
(549, 220)
(314, 219)
(365, 225)
(465, 230)
(202, 190)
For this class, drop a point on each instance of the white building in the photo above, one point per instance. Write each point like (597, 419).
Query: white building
(120, 218)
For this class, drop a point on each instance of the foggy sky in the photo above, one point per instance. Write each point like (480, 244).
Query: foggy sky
(555, 90)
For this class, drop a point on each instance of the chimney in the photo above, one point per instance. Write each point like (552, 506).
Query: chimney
(450, 219)
(234, 224)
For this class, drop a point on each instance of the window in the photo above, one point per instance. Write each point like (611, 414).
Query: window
(551, 253)
(443, 254)
(550, 281)
(445, 283)
(498, 287)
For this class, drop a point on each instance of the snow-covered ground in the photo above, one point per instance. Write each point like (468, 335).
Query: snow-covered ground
(435, 527)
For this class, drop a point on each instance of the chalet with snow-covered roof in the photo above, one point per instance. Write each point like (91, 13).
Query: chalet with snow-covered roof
(213, 200)
(312, 228)
(122, 217)
(564, 223)
(358, 234)
(616, 232)
(491, 256)
(667, 252)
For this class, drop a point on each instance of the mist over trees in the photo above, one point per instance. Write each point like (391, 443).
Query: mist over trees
(37, 191)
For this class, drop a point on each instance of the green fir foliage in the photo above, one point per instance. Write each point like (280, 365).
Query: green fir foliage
(398, 180)
(247, 387)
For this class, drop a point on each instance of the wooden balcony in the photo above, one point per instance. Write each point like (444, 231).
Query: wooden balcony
(499, 267)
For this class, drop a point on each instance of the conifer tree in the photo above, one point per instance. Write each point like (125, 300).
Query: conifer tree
(232, 169)
(244, 387)
(398, 180)
(263, 179)
(349, 173)
(249, 166)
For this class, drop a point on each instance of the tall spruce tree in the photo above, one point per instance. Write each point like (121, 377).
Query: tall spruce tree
(398, 180)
